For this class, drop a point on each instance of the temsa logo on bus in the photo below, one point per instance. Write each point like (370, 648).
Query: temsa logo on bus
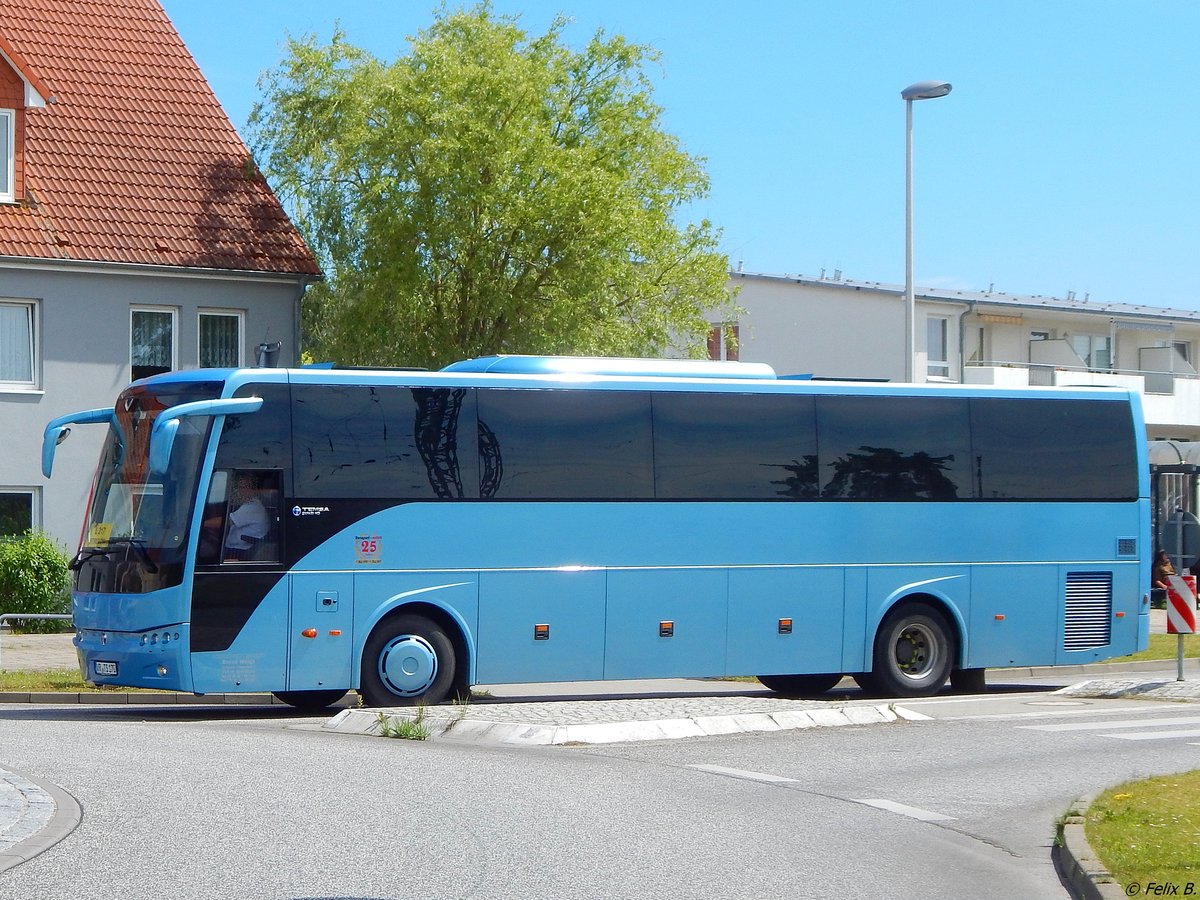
(309, 510)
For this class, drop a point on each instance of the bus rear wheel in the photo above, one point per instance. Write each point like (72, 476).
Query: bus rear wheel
(914, 652)
(309, 701)
(800, 685)
(408, 659)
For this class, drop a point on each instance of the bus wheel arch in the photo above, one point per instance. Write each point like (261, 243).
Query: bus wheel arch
(412, 656)
(916, 647)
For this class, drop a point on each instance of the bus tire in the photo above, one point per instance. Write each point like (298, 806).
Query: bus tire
(408, 659)
(309, 701)
(914, 652)
(800, 685)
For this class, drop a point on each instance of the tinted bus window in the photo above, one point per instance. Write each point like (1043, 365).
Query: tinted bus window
(1053, 449)
(894, 448)
(379, 442)
(564, 445)
(260, 440)
(734, 447)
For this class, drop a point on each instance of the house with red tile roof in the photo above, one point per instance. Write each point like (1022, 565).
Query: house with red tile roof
(136, 234)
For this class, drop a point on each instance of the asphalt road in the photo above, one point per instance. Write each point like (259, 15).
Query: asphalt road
(255, 803)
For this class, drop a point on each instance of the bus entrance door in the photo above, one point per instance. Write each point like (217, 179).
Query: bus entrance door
(321, 641)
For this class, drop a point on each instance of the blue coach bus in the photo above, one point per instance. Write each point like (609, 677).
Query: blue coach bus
(408, 534)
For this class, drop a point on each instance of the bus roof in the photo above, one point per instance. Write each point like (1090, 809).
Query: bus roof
(602, 365)
(621, 374)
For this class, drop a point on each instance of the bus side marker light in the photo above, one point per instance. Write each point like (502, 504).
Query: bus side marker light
(666, 629)
(541, 632)
(1000, 618)
(785, 626)
(337, 632)
(1120, 615)
(309, 633)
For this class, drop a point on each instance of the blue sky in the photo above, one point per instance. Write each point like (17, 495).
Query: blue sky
(1067, 157)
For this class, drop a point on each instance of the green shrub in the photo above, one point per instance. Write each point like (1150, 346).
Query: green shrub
(34, 578)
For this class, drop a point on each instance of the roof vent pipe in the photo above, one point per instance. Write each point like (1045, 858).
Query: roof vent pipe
(268, 355)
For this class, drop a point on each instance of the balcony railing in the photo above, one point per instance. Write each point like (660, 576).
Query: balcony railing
(1019, 373)
(1168, 398)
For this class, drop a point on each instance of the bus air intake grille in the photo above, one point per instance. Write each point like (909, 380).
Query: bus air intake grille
(1089, 610)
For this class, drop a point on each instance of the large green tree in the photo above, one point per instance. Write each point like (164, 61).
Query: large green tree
(488, 192)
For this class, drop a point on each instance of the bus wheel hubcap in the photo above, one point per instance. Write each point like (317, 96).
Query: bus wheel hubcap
(916, 652)
(408, 665)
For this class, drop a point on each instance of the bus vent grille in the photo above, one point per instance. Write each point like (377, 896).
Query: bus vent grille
(1126, 546)
(1089, 610)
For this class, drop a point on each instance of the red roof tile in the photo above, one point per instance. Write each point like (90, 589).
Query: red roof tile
(134, 161)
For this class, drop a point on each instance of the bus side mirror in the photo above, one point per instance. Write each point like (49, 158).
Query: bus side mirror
(57, 430)
(55, 435)
(161, 441)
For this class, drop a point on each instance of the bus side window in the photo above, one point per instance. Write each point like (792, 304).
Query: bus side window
(212, 523)
(252, 526)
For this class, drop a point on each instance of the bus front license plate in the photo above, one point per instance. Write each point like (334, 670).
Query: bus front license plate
(105, 668)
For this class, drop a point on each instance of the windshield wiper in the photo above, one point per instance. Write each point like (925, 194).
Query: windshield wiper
(140, 546)
(85, 554)
(136, 543)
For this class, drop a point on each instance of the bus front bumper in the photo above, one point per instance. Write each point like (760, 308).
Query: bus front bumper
(156, 659)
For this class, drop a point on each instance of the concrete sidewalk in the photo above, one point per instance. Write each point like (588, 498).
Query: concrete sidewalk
(36, 652)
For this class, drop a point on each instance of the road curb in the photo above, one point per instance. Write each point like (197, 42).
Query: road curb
(474, 726)
(36, 793)
(1085, 875)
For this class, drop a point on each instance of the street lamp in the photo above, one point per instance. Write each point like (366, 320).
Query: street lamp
(922, 90)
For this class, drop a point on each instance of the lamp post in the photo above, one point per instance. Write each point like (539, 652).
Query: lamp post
(922, 90)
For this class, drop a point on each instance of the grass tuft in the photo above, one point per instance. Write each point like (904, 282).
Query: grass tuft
(403, 727)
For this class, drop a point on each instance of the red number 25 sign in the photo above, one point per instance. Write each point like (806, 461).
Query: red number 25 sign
(368, 549)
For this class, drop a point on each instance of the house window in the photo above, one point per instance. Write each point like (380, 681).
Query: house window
(16, 512)
(723, 342)
(16, 345)
(1094, 349)
(220, 340)
(937, 364)
(151, 342)
(1184, 349)
(8, 141)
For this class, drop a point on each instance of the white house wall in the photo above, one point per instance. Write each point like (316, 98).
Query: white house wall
(836, 330)
(827, 331)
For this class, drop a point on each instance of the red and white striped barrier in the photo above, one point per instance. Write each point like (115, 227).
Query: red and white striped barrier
(1181, 604)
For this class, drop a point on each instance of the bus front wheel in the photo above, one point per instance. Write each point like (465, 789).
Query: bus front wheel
(800, 685)
(408, 659)
(914, 652)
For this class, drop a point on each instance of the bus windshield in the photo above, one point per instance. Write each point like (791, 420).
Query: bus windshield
(146, 513)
